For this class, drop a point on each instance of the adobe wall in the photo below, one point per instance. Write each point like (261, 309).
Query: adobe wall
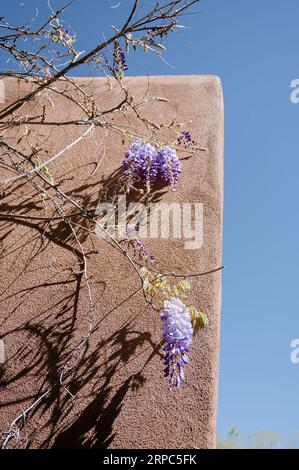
(121, 398)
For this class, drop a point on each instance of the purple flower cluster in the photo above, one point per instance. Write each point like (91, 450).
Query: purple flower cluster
(169, 166)
(120, 64)
(146, 163)
(177, 332)
(185, 139)
(138, 249)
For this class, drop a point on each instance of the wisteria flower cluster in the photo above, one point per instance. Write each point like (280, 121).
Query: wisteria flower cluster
(177, 332)
(139, 250)
(185, 138)
(147, 164)
(120, 64)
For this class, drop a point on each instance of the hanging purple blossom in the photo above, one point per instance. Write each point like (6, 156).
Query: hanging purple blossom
(140, 164)
(169, 166)
(139, 249)
(120, 64)
(146, 163)
(177, 332)
(184, 138)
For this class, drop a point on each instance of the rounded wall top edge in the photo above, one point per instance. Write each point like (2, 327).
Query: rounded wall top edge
(177, 77)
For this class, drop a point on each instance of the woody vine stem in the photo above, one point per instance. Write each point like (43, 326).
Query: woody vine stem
(43, 55)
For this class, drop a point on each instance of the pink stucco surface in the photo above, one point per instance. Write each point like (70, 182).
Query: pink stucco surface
(120, 397)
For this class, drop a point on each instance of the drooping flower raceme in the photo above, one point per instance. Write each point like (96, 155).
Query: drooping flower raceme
(169, 166)
(140, 164)
(185, 138)
(138, 248)
(147, 163)
(177, 332)
(120, 64)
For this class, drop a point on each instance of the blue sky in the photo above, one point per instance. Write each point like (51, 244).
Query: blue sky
(253, 47)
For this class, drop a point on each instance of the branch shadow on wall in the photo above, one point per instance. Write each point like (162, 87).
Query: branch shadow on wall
(53, 329)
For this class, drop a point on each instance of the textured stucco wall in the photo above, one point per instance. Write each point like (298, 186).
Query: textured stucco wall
(121, 398)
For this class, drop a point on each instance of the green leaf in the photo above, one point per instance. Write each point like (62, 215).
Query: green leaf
(203, 319)
(184, 285)
(198, 319)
